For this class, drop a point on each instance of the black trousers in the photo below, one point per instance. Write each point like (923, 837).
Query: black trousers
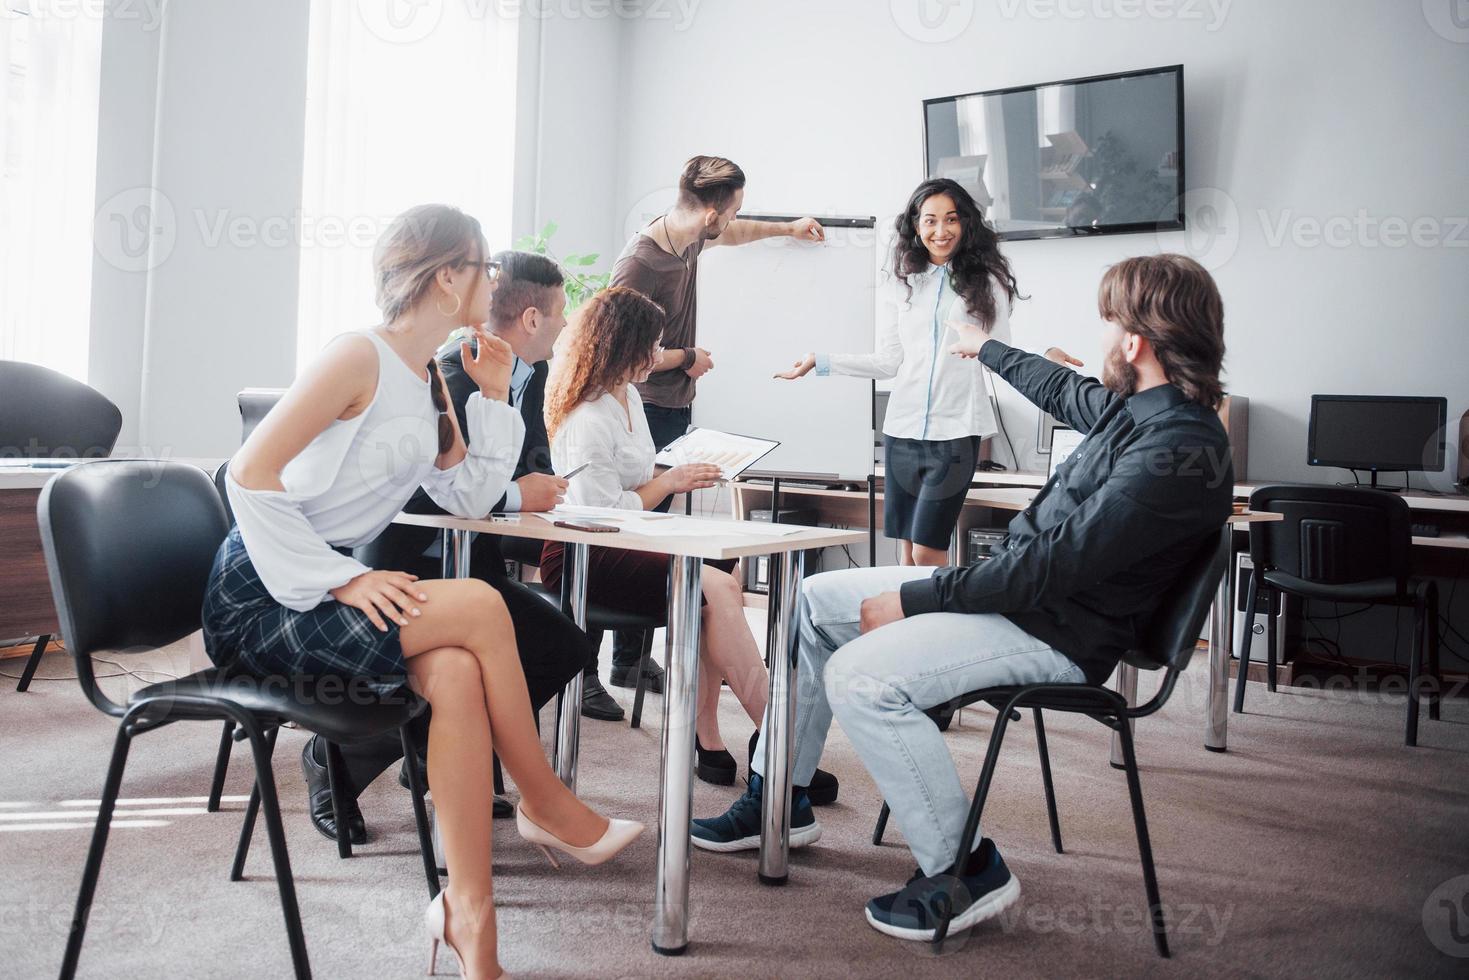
(665, 425)
(552, 649)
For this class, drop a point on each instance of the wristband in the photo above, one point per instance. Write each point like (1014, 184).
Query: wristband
(690, 355)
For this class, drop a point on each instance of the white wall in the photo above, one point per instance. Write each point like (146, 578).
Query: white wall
(1311, 109)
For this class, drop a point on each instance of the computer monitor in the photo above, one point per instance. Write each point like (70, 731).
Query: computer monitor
(1378, 433)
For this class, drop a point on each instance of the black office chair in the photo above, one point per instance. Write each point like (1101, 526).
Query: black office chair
(128, 548)
(46, 415)
(604, 619)
(1169, 644)
(1341, 544)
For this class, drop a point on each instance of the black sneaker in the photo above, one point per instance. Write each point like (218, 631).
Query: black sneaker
(626, 675)
(823, 788)
(596, 702)
(983, 891)
(738, 828)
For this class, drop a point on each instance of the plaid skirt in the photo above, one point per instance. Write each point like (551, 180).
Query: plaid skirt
(246, 630)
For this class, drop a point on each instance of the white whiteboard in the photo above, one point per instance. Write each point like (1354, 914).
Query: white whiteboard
(761, 307)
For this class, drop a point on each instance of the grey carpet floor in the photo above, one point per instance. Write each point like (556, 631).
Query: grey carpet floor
(1313, 847)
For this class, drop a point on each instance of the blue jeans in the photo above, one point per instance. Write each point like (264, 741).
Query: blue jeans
(879, 685)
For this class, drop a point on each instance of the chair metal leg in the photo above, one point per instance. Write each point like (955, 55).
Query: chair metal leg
(1435, 694)
(498, 774)
(1144, 844)
(882, 824)
(221, 766)
(93, 866)
(420, 813)
(336, 768)
(1420, 623)
(32, 662)
(976, 810)
(1244, 649)
(262, 747)
(1040, 741)
(247, 827)
(642, 681)
(1272, 606)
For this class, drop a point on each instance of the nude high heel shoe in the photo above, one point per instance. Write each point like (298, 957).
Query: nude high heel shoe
(620, 833)
(434, 922)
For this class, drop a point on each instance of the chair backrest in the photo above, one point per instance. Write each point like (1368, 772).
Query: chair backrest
(1332, 535)
(1173, 632)
(45, 414)
(128, 546)
(255, 404)
(224, 496)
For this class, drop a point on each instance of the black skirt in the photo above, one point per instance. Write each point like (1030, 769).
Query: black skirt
(924, 487)
(246, 630)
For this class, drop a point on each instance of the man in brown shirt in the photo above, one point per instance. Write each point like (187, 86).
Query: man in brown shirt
(662, 262)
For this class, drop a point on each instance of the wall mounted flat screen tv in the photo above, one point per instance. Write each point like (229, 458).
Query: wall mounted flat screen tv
(1089, 156)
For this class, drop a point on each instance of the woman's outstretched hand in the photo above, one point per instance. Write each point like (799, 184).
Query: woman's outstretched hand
(1062, 358)
(800, 369)
(971, 338)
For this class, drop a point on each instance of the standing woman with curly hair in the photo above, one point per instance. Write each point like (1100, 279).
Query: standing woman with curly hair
(946, 267)
(594, 415)
(357, 433)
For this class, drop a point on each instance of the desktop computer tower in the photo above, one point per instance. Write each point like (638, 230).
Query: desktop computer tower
(1244, 580)
(983, 544)
(757, 570)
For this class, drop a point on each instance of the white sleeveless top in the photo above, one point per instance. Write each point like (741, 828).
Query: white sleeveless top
(349, 482)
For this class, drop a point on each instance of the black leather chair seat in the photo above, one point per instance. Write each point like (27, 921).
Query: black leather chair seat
(601, 617)
(340, 710)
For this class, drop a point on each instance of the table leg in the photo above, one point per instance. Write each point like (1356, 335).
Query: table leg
(568, 702)
(1221, 638)
(455, 553)
(781, 650)
(676, 795)
(1127, 687)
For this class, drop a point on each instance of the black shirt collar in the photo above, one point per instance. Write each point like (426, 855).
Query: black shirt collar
(1146, 404)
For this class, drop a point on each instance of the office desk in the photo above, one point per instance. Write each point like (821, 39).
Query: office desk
(704, 539)
(27, 610)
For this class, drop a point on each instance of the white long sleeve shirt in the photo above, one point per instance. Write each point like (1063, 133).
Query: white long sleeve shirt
(936, 395)
(615, 442)
(349, 483)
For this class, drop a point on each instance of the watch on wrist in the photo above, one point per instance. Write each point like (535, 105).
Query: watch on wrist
(690, 355)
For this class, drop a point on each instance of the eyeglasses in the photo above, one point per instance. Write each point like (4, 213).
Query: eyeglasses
(492, 268)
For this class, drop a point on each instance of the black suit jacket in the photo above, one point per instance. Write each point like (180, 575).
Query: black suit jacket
(402, 546)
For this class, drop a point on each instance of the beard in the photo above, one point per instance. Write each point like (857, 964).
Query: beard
(1119, 377)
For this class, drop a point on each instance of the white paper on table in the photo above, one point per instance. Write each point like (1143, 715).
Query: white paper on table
(656, 525)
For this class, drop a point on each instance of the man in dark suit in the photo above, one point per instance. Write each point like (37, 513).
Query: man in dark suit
(528, 312)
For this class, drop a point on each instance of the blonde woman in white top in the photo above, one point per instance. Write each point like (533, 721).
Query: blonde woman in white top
(947, 267)
(327, 470)
(594, 415)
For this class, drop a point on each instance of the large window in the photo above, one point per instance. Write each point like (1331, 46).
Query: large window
(413, 107)
(48, 180)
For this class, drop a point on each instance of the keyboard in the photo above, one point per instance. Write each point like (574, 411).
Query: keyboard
(1425, 530)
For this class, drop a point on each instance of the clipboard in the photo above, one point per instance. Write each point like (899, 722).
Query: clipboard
(732, 452)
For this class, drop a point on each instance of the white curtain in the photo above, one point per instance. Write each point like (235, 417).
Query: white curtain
(398, 113)
(48, 180)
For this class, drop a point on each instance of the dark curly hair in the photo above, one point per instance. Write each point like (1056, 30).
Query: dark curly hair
(977, 261)
(614, 335)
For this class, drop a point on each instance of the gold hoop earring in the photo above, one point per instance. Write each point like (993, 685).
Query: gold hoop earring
(458, 305)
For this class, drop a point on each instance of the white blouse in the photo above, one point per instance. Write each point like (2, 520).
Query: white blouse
(936, 395)
(620, 454)
(349, 483)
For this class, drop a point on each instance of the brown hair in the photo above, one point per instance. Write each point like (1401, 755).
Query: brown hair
(420, 242)
(613, 336)
(1174, 303)
(709, 182)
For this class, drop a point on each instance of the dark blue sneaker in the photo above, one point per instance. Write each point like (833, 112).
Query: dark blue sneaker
(738, 828)
(984, 890)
